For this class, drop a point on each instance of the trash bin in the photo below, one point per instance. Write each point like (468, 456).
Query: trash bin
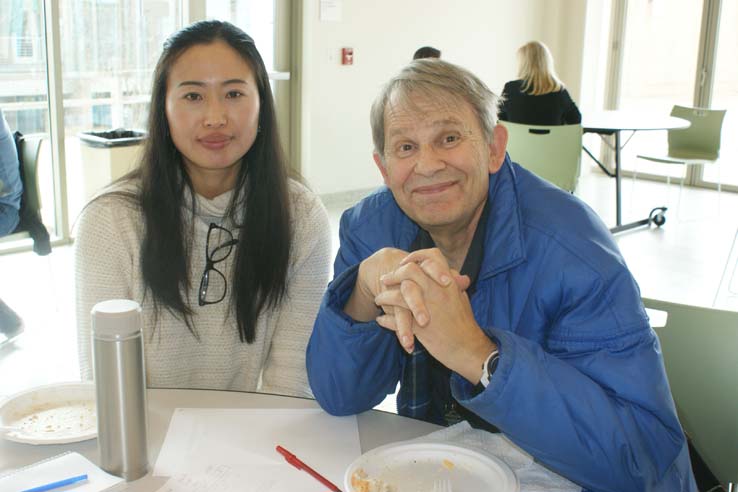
(106, 156)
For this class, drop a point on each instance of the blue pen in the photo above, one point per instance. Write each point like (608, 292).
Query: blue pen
(56, 485)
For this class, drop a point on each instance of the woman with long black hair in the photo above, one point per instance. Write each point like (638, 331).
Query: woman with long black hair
(227, 255)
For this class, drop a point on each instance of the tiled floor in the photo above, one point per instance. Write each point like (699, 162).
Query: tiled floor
(682, 262)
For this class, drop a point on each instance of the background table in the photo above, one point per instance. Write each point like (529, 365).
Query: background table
(612, 123)
(375, 428)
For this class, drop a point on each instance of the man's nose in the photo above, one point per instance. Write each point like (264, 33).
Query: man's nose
(429, 161)
(215, 115)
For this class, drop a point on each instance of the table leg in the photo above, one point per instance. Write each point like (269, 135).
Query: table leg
(657, 214)
(618, 216)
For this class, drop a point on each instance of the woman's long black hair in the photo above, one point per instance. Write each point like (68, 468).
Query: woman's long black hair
(261, 197)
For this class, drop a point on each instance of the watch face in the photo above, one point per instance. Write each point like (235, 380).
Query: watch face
(489, 368)
(492, 364)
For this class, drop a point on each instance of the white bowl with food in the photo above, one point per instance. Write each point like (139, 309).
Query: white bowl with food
(51, 414)
(416, 467)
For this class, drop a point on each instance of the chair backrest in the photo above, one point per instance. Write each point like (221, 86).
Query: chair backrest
(30, 149)
(552, 152)
(700, 349)
(702, 139)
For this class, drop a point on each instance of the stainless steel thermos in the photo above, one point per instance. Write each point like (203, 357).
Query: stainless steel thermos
(120, 385)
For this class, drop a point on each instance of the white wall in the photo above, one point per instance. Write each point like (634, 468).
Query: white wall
(481, 35)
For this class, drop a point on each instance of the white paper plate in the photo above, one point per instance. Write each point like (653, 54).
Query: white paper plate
(52, 414)
(415, 467)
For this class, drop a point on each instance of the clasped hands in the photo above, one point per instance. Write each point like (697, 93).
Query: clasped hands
(418, 296)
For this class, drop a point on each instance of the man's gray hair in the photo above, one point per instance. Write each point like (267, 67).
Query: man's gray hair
(434, 76)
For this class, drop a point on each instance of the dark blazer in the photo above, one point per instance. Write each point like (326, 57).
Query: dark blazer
(554, 108)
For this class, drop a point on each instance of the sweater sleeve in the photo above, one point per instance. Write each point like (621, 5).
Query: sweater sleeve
(103, 266)
(284, 369)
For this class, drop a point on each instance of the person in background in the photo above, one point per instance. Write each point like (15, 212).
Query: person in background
(492, 296)
(427, 52)
(11, 190)
(11, 187)
(227, 256)
(538, 97)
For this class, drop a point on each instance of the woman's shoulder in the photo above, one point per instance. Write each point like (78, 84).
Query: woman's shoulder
(309, 218)
(116, 202)
(300, 194)
(304, 202)
(513, 85)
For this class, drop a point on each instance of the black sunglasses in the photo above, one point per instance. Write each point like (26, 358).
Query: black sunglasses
(217, 283)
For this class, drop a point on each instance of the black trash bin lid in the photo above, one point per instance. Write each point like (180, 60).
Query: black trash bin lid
(112, 138)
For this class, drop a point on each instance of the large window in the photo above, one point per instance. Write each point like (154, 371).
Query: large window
(256, 17)
(23, 81)
(667, 59)
(108, 52)
(662, 39)
(99, 75)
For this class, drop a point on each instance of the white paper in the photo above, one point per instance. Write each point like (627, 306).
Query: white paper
(60, 467)
(234, 449)
(330, 10)
(221, 478)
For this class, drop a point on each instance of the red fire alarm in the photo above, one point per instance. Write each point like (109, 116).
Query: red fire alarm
(347, 56)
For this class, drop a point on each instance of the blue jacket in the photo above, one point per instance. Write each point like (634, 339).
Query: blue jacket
(580, 383)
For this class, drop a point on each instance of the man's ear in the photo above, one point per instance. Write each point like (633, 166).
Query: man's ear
(381, 166)
(497, 148)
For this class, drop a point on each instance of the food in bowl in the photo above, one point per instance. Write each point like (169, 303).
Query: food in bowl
(360, 482)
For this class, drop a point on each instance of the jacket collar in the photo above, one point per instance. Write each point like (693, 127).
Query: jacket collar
(504, 246)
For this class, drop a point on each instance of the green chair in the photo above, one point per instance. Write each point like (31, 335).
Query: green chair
(700, 350)
(697, 145)
(552, 152)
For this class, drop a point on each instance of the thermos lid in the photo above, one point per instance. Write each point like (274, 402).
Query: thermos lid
(116, 318)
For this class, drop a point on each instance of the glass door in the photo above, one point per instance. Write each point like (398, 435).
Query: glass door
(725, 96)
(661, 43)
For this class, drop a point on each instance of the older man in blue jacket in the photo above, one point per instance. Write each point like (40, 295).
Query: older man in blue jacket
(492, 296)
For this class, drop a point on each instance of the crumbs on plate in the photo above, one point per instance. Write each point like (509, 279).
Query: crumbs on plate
(360, 482)
(60, 419)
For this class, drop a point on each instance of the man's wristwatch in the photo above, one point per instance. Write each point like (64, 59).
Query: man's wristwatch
(489, 367)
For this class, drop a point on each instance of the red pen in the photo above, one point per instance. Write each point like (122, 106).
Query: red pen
(295, 461)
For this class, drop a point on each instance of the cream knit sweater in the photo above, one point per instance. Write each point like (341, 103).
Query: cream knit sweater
(107, 256)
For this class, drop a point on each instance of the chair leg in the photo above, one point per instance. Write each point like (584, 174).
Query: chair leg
(719, 183)
(632, 188)
(725, 270)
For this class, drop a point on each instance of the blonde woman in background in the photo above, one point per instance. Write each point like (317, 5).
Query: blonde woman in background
(538, 97)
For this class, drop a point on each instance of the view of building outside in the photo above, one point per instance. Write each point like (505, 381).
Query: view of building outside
(108, 51)
(23, 89)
